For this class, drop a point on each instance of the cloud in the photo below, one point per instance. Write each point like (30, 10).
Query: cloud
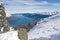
(44, 2)
(56, 4)
(22, 9)
(36, 3)
(28, 3)
(24, 2)
(28, 6)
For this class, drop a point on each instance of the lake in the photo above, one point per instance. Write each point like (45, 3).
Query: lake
(21, 19)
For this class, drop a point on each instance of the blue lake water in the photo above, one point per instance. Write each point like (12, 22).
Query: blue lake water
(25, 18)
(21, 20)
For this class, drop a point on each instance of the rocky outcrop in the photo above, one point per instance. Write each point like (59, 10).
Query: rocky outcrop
(3, 22)
(22, 34)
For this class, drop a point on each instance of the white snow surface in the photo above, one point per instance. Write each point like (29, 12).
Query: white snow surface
(8, 15)
(11, 35)
(45, 28)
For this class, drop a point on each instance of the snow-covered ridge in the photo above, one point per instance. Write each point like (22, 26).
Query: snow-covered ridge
(51, 17)
(46, 28)
(48, 13)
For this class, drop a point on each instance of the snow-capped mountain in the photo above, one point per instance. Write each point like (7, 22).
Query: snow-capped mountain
(46, 29)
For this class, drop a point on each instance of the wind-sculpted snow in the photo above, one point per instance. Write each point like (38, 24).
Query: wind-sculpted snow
(46, 28)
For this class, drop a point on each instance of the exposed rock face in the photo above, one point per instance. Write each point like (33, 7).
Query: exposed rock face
(3, 21)
(22, 34)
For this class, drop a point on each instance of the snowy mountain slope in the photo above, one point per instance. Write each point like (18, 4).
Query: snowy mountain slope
(46, 28)
(11, 35)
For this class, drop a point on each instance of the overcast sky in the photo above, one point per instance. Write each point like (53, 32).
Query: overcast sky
(30, 6)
